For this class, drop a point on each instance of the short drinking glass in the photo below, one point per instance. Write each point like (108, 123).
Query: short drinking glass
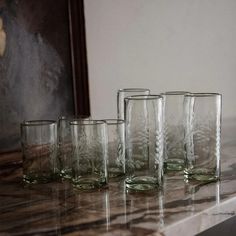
(89, 147)
(64, 147)
(65, 144)
(39, 146)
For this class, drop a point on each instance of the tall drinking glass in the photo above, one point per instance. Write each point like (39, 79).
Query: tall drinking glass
(39, 146)
(144, 141)
(123, 93)
(174, 153)
(89, 145)
(202, 136)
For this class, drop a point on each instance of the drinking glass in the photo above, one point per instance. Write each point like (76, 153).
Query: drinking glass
(64, 147)
(65, 144)
(89, 147)
(123, 93)
(202, 136)
(116, 147)
(39, 146)
(174, 154)
(144, 141)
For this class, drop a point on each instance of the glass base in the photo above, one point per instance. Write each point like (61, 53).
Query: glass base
(174, 165)
(201, 174)
(39, 179)
(88, 183)
(141, 183)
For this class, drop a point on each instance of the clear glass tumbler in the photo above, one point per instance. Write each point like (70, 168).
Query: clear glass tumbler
(89, 147)
(174, 153)
(65, 144)
(144, 142)
(202, 136)
(64, 147)
(116, 147)
(123, 93)
(39, 146)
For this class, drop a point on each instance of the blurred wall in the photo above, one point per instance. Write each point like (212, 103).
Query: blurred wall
(162, 45)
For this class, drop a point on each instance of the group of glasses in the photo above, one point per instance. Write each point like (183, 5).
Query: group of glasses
(153, 135)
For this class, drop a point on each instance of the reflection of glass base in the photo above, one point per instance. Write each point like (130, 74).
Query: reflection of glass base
(141, 183)
(88, 183)
(66, 174)
(174, 165)
(115, 173)
(200, 174)
(36, 179)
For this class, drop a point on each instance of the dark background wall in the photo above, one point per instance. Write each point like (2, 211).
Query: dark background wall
(35, 66)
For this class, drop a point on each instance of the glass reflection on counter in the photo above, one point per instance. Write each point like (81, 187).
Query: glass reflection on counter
(209, 191)
(145, 208)
(65, 209)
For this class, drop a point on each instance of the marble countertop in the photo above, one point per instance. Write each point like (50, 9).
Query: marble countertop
(56, 209)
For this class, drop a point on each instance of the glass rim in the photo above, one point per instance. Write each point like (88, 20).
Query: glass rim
(73, 117)
(203, 95)
(114, 121)
(176, 93)
(87, 122)
(37, 122)
(134, 90)
(144, 97)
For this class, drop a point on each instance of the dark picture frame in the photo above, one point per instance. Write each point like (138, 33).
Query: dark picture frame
(37, 36)
(79, 57)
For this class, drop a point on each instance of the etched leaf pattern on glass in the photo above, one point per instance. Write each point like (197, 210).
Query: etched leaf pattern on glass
(138, 145)
(202, 141)
(87, 155)
(174, 136)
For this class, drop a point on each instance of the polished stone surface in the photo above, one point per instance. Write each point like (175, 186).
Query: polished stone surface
(56, 209)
